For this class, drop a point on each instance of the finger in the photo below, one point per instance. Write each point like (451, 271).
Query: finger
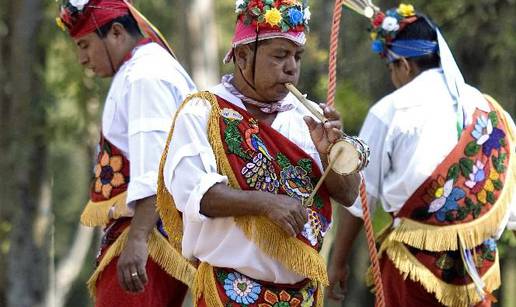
(121, 279)
(310, 122)
(333, 135)
(142, 273)
(298, 223)
(128, 283)
(287, 227)
(137, 283)
(334, 293)
(333, 124)
(331, 113)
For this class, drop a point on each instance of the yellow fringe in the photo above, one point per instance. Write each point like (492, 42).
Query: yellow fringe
(440, 238)
(290, 252)
(97, 213)
(446, 294)
(206, 287)
(166, 207)
(160, 252)
(320, 295)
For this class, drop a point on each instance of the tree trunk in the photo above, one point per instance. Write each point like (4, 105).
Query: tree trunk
(203, 39)
(26, 152)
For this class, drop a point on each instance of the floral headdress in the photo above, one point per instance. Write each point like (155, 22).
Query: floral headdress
(284, 15)
(265, 19)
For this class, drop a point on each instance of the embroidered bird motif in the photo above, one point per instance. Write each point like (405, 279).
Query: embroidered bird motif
(253, 140)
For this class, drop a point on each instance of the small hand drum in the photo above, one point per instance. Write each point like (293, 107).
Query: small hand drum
(349, 155)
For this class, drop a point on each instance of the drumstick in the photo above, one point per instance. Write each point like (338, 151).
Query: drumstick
(323, 177)
(307, 103)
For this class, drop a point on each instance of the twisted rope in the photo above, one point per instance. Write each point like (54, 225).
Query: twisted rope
(330, 100)
(371, 244)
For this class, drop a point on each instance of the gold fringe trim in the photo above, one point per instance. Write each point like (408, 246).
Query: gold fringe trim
(97, 213)
(170, 216)
(160, 251)
(320, 295)
(290, 252)
(440, 238)
(206, 287)
(446, 294)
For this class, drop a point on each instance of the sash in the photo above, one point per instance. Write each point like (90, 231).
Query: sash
(227, 287)
(459, 207)
(108, 190)
(255, 157)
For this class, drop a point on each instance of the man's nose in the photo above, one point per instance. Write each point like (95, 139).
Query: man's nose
(291, 66)
(83, 58)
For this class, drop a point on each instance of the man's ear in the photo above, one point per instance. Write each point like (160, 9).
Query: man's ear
(117, 30)
(405, 66)
(242, 56)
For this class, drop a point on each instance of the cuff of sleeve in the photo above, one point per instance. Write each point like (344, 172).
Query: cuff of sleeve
(356, 208)
(141, 187)
(192, 210)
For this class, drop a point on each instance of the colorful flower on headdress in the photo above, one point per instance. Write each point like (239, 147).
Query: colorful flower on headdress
(406, 10)
(280, 14)
(60, 24)
(273, 17)
(385, 26)
(307, 14)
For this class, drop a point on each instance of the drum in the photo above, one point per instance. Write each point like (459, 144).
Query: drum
(349, 155)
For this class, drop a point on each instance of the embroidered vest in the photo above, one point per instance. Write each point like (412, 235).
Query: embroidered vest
(263, 159)
(254, 156)
(109, 187)
(459, 207)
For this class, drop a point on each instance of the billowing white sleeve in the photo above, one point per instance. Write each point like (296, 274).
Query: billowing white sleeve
(374, 133)
(152, 104)
(190, 169)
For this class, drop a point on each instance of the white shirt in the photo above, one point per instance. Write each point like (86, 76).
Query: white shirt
(190, 171)
(410, 132)
(138, 112)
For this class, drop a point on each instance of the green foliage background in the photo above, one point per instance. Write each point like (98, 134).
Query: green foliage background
(482, 34)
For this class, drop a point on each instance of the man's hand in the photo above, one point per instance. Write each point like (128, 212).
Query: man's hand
(287, 213)
(338, 276)
(131, 272)
(325, 134)
(132, 275)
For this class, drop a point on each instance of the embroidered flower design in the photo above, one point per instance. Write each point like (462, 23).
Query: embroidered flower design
(390, 24)
(79, 4)
(487, 135)
(273, 17)
(308, 294)
(260, 174)
(295, 16)
(295, 181)
(490, 244)
(481, 181)
(445, 199)
(284, 299)
(406, 10)
(241, 289)
(108, 175)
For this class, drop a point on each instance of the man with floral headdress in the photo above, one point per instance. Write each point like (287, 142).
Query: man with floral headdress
(245, 158)
(134, 265)
(442, 164)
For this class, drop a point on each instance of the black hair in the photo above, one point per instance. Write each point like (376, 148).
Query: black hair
(423, 29)
(127, 21)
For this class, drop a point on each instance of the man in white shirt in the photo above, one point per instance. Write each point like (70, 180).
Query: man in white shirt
(244, 160)
(148, 86)
(442, 165)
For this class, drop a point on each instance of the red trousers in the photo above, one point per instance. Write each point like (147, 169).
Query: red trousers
(405, 292)
(161, 290)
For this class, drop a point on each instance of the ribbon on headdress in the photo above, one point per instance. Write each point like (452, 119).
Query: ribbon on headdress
(410, 48)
